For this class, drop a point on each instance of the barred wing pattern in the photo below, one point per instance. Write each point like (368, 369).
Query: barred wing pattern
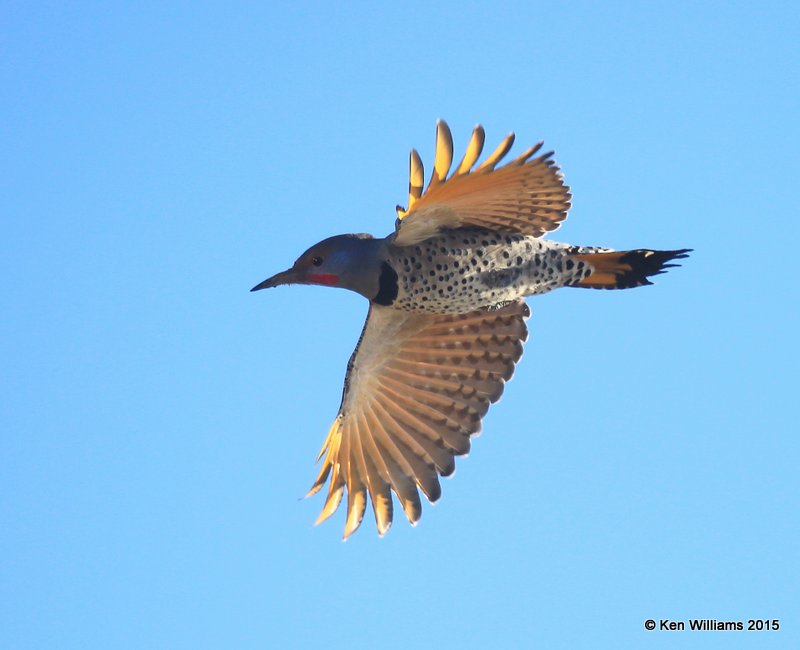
(416, 389)
(527, 195)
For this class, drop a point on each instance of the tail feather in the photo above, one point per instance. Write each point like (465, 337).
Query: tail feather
(625, 269)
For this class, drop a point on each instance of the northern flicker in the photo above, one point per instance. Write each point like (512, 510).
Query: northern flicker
(446, 319)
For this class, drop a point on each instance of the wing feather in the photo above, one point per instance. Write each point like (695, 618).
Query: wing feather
(473, 152)
(443, 155)
(527, 195)
(423, 466)
(439, 428)
(354, 478)
(416, 390)
(398, 470)
(497, 155)
(377, 475)
(405, 414)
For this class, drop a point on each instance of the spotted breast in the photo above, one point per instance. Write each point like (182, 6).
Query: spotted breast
(466, 269)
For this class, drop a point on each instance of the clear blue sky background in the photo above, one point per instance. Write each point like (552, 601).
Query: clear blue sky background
(160, 422)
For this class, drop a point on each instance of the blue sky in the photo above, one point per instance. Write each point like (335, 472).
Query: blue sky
(159, 422)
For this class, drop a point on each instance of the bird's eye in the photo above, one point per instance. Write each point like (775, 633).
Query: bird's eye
(316, 261)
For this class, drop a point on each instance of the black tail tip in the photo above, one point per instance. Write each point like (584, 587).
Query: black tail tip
(646, 263)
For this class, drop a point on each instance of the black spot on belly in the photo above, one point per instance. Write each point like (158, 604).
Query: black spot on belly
(387, 286)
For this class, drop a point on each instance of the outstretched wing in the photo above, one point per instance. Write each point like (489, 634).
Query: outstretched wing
(527, 195)
(417, 387)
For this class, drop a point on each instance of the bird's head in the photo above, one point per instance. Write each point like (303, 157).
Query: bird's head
(347, 261)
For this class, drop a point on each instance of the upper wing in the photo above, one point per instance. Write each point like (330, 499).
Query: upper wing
(527, 195)
(417, 387)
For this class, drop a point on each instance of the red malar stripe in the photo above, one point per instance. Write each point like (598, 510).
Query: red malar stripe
(327, 279)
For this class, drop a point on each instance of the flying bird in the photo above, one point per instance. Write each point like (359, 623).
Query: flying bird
(446, 319)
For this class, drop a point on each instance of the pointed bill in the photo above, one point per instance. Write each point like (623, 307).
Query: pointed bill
(288, 276)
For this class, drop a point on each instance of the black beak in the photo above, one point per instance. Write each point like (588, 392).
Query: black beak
(284, 277)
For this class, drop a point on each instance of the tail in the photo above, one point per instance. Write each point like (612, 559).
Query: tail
(625, 269)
